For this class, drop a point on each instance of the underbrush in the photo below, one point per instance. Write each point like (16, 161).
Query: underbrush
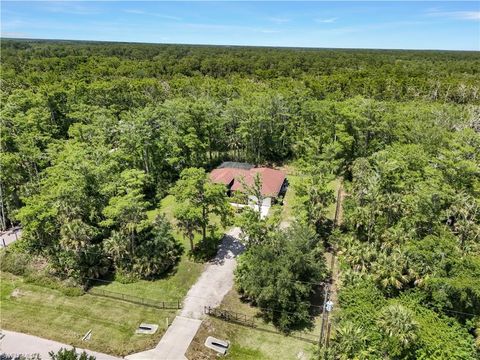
(34, 269)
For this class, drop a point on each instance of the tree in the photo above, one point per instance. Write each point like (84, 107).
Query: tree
(314, 194)
(350, 341)
(157, 251)
(126, 210)
(465, 216)
(61, 218)
(399, 328)
(280, 274)
(198, 198)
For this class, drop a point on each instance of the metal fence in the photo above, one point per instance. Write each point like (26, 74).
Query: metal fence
(136, 300)
(231, 316)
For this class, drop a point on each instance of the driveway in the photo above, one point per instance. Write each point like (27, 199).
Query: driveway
(18, 343)
(209, 290)
(9, 236)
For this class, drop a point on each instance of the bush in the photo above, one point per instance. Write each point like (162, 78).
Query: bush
(125, 277)
(65, 287)
(279, 275)
(65, 354)
(14, 262)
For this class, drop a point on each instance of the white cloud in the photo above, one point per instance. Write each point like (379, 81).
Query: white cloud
(459, 15)
(327, 21)
(66, 7)
(141, 12)
(14, 34)
(278, 20)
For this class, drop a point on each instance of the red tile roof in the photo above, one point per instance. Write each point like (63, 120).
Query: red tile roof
(272, 180)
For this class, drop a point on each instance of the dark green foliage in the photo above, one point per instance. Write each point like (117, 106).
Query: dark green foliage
(280, 274)
(197, 199)
(65, 354)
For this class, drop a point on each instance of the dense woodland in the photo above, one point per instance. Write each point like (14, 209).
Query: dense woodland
(93, 135)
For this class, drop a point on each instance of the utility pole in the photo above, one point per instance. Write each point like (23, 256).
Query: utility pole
(3, 223)
(324, 311)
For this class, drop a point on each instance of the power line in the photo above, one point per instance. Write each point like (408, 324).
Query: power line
(258, 307)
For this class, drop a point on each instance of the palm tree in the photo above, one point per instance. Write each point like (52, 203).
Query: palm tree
(391, 271)
(349, 341)
(399, 327)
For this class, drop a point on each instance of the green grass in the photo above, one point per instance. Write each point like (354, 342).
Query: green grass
(290, 196)
(262, 342)
(50, 314)
(334, 185)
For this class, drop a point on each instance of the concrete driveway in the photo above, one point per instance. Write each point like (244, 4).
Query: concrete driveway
(209, 290)
(18, 343)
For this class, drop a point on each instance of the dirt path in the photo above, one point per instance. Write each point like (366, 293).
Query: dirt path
(19, 343)
(209, 290)
(330, 256)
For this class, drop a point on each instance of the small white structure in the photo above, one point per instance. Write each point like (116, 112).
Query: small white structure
(329, 305)
(220, 346)
(147, 329)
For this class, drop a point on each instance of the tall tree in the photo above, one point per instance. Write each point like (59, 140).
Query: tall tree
(197, 199)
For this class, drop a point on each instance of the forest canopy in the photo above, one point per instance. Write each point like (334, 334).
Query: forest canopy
(95, 134)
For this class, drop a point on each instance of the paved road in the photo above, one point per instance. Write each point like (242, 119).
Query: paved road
(18, 343)
(209, 290)
(9, 236)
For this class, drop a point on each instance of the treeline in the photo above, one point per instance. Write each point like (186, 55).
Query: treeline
(326, 73)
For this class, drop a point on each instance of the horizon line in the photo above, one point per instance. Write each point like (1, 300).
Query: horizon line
(234, 45)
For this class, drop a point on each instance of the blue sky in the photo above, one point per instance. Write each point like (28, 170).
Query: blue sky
(379, 24)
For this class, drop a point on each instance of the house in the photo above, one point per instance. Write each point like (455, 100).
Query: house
(233, 175)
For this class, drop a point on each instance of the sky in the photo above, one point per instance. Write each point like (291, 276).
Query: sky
(451, 25)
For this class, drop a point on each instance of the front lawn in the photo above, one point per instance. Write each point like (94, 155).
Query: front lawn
(50, 314)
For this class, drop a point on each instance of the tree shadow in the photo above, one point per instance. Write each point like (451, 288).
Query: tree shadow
(229, 248)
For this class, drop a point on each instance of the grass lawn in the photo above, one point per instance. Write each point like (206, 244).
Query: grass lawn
(290, 196)
(262, 342)
(50, 314)
(334, 185)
